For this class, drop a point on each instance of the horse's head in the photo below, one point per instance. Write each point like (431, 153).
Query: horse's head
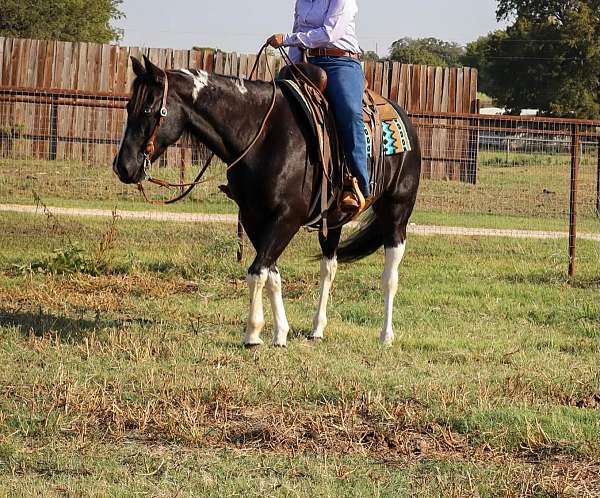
(155, 120)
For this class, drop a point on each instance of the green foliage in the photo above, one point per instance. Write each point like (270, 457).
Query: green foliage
(72, 258)
(548, 58)
(68, 260)
(477, 55)
(65, 20)
(427, 51)
(370, 56)
(542, 10)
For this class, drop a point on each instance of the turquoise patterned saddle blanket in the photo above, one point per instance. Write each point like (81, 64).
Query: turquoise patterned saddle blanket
(394, 135)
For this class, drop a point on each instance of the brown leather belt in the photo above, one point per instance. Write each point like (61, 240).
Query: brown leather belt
(331, 52)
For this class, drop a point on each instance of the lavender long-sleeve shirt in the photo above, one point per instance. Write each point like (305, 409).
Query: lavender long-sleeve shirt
(323, 24)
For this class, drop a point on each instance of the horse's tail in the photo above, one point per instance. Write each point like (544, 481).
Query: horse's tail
(364, 242)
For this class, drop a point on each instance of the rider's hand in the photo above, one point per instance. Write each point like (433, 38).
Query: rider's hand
(276, 41)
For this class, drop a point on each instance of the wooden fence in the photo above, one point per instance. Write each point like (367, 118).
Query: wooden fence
(105, 71)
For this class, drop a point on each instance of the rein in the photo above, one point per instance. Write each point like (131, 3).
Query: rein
(163, 113)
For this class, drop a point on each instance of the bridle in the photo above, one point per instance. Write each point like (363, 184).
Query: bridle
(163, 113)
(151, 143)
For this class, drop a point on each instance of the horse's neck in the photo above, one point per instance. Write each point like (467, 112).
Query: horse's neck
(227, 113)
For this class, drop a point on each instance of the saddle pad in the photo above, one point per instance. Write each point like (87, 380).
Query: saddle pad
(300, 98)
(394, 132)
(395, 138)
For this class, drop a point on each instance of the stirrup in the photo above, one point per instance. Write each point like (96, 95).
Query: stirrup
(352, 193)
(368, 203)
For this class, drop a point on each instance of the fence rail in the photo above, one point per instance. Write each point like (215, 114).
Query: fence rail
(450, 142)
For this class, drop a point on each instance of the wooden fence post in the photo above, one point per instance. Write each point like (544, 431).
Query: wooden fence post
(575, 159)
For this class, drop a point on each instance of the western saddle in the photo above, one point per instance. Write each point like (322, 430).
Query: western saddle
(307, 83)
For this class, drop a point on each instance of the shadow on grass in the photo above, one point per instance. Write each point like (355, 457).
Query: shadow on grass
(71, 329)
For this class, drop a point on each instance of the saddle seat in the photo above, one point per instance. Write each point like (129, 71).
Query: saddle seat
(314, 73)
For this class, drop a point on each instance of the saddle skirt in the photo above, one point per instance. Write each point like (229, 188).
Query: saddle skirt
(385, 135)
(378, 111)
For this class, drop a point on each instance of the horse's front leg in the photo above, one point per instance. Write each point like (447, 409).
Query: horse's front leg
(280, 323)
(256, 318)
(328, 270)
(269, 241)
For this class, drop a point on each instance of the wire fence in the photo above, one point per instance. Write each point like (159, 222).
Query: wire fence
(479, 172)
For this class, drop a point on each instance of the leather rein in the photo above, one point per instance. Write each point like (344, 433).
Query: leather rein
(163, 113)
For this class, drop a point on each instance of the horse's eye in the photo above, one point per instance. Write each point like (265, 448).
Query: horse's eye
(148, 110)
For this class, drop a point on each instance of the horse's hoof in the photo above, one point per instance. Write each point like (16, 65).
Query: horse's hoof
(280, 346)
(253, 346)
(315, 340)
(386, 341)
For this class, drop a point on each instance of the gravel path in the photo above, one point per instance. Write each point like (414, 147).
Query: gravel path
(230, 218)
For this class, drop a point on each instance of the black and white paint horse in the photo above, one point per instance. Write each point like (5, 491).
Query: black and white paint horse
(273, 185)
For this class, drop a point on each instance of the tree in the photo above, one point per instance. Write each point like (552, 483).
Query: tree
(370, 55)
(542, 10)
(476, 55)
(427, 51)
(66, 20)
(548, 58)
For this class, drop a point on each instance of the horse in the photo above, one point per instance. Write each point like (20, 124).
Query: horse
(273, 184)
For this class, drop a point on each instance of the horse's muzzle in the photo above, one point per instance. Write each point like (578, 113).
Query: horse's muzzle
(124, 175)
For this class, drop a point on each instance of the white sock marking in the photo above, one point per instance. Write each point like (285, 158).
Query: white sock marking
(200, 80)
(328, 271)
(280, 325)
(256, 318)
(389, 281)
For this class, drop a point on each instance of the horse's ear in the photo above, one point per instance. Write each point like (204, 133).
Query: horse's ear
(138, 68)
(156, 72)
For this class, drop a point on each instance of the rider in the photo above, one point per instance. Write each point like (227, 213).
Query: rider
(326, 29)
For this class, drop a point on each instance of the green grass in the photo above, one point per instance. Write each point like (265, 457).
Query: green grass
(134, 382)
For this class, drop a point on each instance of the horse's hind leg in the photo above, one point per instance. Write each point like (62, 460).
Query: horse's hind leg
(394, 219)
(328, 270)
(389, 280)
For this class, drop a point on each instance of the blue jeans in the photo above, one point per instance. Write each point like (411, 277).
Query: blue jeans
(345, 88)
